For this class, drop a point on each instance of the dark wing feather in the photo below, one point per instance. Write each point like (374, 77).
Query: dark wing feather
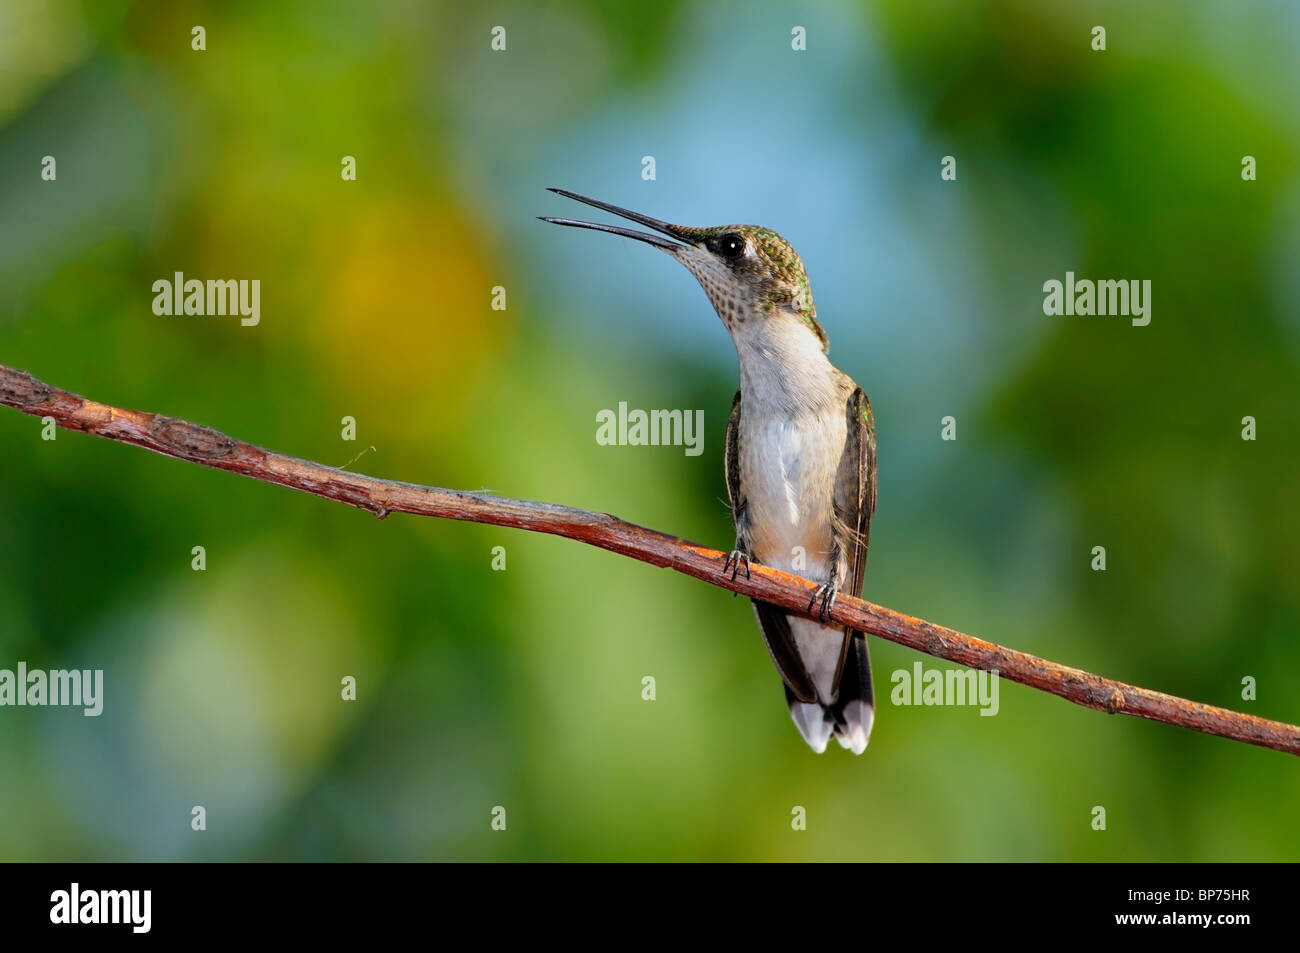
(772, 620)
(775, 625)
(731, 461)
(855, 499)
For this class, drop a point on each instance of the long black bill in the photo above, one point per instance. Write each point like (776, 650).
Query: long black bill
(665, 228)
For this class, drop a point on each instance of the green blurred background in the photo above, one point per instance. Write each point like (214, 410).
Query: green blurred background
(522, 688)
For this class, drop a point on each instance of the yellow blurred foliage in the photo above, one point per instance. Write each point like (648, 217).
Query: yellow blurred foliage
(408, 318)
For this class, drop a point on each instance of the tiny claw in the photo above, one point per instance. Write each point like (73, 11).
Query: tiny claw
(827, 594)
(733, 562)
(828, 603)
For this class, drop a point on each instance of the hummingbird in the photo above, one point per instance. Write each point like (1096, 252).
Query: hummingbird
(799, 459)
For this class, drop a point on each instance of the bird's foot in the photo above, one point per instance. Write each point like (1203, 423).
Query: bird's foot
(826, 593)
(733, 561)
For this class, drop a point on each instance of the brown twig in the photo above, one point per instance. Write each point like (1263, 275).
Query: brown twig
(187, 441)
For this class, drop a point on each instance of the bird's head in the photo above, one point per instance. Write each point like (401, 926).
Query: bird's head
(750, 273)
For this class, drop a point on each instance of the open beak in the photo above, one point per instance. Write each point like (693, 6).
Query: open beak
(681, 233)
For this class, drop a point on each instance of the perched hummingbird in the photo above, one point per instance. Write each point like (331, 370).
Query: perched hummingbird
(800, 459)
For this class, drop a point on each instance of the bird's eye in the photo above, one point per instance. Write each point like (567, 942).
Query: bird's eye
(731, 245)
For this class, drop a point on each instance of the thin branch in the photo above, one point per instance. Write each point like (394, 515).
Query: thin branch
(209, 448)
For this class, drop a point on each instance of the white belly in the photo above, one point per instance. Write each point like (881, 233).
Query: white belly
(787, 471)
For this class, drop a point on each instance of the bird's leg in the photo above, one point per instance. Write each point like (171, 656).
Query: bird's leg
(735, 558)
(830, 589)
(741, 551)
(826, 593)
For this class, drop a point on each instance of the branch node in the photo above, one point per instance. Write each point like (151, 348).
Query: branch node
(192, 439)
(19, 387)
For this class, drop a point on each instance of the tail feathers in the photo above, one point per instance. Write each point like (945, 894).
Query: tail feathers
(855, 728)
(810, 718)
(852, 713)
